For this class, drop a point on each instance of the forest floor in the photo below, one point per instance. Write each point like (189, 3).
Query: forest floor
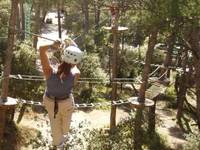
(35, 127)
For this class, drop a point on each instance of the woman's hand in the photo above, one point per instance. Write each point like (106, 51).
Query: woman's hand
(55, 46)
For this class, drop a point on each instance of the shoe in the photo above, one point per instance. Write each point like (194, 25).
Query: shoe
(61, 146)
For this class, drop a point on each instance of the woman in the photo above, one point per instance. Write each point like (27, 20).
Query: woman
(58, 99)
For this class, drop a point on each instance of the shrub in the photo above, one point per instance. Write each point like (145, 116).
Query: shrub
(24, 62)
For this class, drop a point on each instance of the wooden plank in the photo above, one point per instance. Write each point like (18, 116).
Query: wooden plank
(155, 90)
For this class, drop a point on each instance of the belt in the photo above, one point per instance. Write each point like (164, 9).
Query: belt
(57, 98)
(56, 102)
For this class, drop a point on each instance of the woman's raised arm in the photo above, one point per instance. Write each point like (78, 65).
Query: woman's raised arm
(47, 70)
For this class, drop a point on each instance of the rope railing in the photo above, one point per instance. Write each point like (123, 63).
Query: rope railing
(155, 65)
(81, 80)
(79, 106)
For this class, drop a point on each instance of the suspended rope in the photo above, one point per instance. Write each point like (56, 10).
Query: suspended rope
(155, 65)
(151, 74)
(82, 105)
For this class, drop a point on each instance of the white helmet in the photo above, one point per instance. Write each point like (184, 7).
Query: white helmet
(72, 55)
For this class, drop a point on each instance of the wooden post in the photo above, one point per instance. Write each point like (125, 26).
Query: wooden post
(114, 25)
(7, 65)
(9, 50)
(59, 21)
(2, 124)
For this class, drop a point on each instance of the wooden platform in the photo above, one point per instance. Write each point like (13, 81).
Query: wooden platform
(135, 103)
(120, 29)
(155, 90)
(7, 110)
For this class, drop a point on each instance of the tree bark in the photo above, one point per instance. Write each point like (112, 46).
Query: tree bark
(22, 26)
(96, 20)
(37, 23)
(9, 50)
(139, 113)
(86, 16)
(168, 58)
(195, 45)
(97, 12)
(182, 89)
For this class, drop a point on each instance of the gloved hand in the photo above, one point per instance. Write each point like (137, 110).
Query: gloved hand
(55, 46)
(69, 42)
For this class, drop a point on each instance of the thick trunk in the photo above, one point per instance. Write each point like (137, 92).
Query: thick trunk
(182, 81)
(148, 60)
(197, 79)
(195, 45)
(9, 50)
(143, 87)
(181, 96)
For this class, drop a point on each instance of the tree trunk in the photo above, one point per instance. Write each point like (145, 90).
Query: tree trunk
(22, 26)
(182, 89)
(96, 20)
(97, 14)
(194, 42)
(86, 16)
(20, 20)
(139, 113)
(168, 58)
(37, 23)
(9, 50)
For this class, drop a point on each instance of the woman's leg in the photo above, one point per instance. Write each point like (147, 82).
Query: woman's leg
(56, 123)
(66, 109)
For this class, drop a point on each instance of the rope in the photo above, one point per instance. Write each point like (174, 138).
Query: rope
(34, 34)
(81, 80)
(154, 71)
(155, 65)
(79, 106)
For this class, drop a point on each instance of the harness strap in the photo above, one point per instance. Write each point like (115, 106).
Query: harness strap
(55, 108)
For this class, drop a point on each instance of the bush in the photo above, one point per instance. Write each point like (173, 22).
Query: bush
(24, 62)
(90, 70)
(121, 138)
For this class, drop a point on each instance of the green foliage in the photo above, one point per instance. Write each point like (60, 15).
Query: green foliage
(4, 16)
(91, 67)
(126, 66)
(171, 92)
(121, 138)
(193, 141)
(24, 62)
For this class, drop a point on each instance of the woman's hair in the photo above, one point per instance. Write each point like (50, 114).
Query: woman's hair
(64, 68)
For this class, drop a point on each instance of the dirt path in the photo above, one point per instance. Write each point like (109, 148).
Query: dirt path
(39, 123)
(100, 118)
